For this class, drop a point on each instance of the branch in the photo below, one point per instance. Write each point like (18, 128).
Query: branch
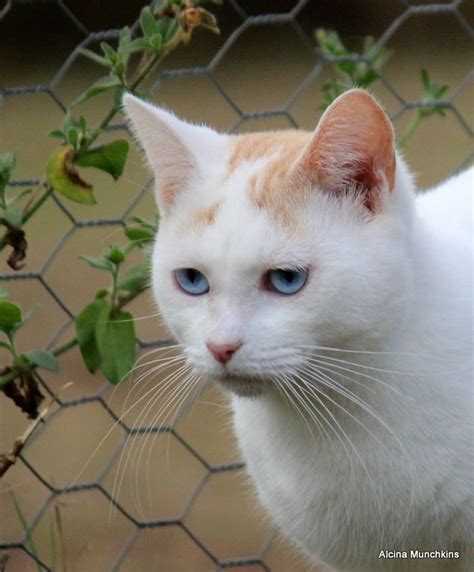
(11, 457)
(30, 212)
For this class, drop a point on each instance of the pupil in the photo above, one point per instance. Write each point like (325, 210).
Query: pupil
(192, 275)
(288, 275)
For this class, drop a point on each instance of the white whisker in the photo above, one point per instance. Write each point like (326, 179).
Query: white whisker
(362, 374)
(159, 389)
(152, 429)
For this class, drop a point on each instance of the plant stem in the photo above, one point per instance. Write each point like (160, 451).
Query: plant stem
(145, 71)
(30, 541)
(16, 372)
(409, 131)
(102, 125)
(65, 347)
(31, 211)
(113, 294)
(9, 377)
(12, 346)
(116, 108)
(39, 203)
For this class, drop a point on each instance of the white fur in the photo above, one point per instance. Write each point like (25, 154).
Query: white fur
(398, 286)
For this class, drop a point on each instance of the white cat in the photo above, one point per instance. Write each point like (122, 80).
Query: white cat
(301, 272)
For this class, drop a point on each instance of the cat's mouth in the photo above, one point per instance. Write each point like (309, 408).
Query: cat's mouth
(243, 385)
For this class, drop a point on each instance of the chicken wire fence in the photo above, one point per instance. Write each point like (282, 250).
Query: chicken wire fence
(246, 18)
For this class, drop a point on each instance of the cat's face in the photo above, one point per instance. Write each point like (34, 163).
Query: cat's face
(271, 244)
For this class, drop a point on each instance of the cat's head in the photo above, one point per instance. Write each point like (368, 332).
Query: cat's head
(271, 244)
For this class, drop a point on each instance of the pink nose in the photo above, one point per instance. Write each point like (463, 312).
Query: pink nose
(223, 352)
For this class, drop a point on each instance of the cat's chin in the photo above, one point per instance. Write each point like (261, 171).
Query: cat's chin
(243, 386)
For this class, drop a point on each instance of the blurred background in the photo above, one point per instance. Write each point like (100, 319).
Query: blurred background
(263, 72)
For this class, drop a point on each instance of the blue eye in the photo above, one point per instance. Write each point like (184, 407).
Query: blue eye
(286, 281)
(192, 281)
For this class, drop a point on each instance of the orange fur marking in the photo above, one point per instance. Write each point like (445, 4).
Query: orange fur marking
(267, 189)
(252, 146)
(353, 143)
(205, 216)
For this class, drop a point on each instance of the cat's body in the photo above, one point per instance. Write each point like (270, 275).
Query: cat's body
(422, 474)
(275, 248)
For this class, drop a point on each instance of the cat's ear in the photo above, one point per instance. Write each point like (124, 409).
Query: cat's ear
(352, 149)
(175, 150)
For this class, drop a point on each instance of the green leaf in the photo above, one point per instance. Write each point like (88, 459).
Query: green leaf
(19, 196)
(6, 346)
(44, 359)
(136, 279)
(68, 122)
(110, 158)
(115, 254)
(100, 263)
(171, 30)
(21, 361)
(64, 178)
(440, 91)
(115, 335)
(330, 43)
(425, 79)
(109, 52)
(139, 235)
(125, 37)
(13, 216)
(138, 45)
(368, 44)
(100, 86)
(148, 22)
(119, 67)
(10, 314)
(7, 166)
(152, 225)
(124, 48)
(95, 57)
(72, 136)
(156, 42)
(85, 331)
(83, 125)
(3, 293)
(57, 133)
(118, 96)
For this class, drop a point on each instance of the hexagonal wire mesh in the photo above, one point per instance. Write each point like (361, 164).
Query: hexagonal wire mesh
(234, 87)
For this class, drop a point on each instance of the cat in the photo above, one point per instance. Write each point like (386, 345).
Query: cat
(302, 272)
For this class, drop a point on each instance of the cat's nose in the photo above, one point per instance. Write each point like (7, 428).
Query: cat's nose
(223, 352)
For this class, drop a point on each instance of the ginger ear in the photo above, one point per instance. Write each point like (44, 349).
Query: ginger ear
(352, 149)
(174, 149)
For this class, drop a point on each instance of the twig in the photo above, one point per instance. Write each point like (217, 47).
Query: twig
(3, 562)
(32, 208)
(10, 458)
(59, 526)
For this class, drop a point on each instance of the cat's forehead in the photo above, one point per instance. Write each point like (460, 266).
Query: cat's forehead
(263, 161)
(252, 175)
(240, 209)
(252, 147)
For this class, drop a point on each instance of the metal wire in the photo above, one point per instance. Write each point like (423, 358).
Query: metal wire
(409, 10)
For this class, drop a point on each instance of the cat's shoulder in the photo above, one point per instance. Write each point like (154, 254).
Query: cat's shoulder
(451, 203)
